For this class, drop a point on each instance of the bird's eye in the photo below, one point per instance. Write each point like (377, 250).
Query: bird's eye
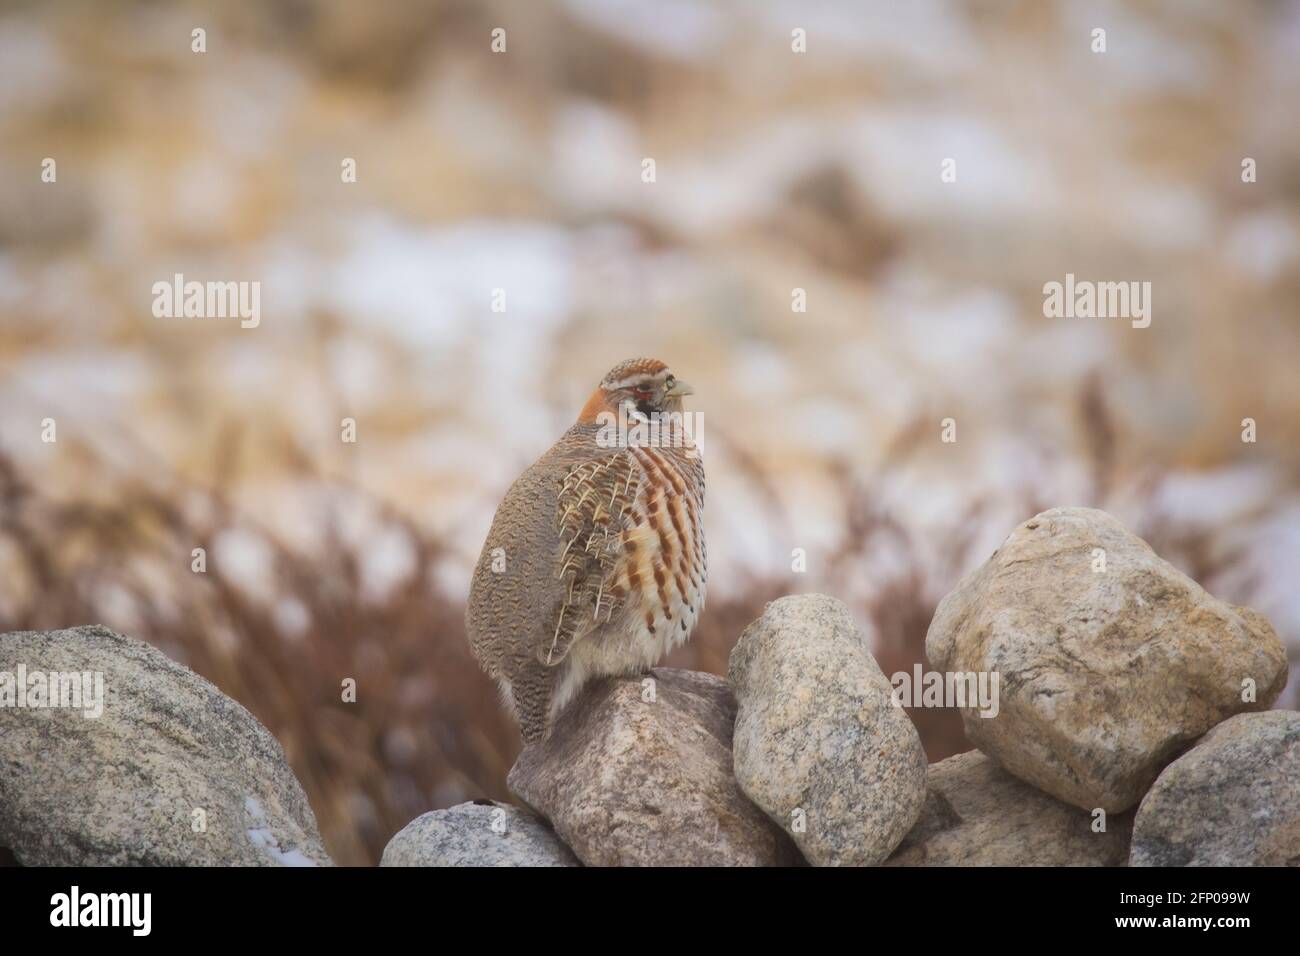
(670, 381)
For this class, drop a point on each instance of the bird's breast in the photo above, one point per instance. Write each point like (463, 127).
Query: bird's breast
(662, 577)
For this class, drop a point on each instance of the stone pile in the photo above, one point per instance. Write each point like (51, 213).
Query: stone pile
(1130, 725)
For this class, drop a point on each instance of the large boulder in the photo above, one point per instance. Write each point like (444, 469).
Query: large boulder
(977, 814)
(154, 767)
(820, 744)
(477, 834)
(637, 772)
(1110, 660)
(1232, 800)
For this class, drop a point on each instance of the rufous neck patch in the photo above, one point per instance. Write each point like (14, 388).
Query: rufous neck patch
(599, 402)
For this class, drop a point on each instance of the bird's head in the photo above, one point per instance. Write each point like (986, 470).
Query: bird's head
(642, 385)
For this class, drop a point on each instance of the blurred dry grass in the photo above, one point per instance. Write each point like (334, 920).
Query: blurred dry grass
(424, 717)
(426, 729)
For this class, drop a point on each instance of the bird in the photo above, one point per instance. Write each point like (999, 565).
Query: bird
(595, 563)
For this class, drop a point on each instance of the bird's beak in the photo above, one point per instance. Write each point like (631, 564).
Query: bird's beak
(679, 389)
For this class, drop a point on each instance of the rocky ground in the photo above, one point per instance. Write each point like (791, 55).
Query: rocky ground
(171, 773)
(1131, 727)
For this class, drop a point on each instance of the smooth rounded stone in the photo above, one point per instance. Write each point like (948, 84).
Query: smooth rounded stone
(1232, 800)
(1109, 660)
(819, 743)
(477, 834)
(637, 772)
(172, 772)
(977, 814)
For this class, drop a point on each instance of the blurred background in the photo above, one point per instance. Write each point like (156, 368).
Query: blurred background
(522, 171)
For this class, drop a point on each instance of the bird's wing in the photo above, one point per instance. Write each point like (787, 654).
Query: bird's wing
(593, 513)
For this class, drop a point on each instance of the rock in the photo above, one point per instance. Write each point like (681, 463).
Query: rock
(477, 834)
(977, 814)
(819, 742)
(171, 773)
(1232, 800)
(1104, 675)
(628, 779)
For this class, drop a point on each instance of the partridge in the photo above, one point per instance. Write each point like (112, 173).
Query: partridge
(595, 562)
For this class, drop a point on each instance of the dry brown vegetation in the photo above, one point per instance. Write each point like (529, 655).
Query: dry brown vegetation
(426, 729)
